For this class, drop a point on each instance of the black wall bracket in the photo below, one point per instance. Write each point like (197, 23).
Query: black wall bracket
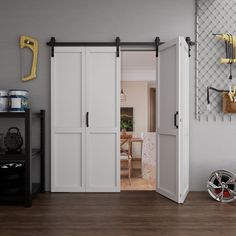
(52, 43)
(190, 44)
(157, 43)
(117, 46)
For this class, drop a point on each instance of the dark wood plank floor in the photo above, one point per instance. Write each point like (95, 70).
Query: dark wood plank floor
(126, 213)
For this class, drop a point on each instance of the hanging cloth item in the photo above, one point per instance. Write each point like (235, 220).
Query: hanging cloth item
(28, 42)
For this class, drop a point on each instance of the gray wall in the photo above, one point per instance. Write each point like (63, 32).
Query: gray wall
(103, 20)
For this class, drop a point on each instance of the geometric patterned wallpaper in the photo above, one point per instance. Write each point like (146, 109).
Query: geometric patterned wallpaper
(213, 16)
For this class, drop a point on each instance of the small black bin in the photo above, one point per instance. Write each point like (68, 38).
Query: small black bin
(12, 178)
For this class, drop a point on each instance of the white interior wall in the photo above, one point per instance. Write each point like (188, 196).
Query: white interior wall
(135, 74)
(138, 65)
(137, 97)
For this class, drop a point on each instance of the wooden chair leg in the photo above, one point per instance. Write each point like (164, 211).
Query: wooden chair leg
(129, 169)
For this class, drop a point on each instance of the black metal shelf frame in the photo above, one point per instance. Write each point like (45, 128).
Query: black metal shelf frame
(27, 156)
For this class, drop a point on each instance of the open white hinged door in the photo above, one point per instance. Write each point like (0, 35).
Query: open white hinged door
(173, 120)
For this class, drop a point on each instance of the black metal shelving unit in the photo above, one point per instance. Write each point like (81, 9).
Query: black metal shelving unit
(27, 189)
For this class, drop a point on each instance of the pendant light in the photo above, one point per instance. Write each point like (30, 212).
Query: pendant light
(122, 94)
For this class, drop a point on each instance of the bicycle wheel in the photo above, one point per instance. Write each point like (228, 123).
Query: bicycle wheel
(222, 186)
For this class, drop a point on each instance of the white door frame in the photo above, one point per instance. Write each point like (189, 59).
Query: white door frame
(144, 48)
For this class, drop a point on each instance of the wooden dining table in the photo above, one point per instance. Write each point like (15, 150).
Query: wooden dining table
(125, 139)
(129, 139)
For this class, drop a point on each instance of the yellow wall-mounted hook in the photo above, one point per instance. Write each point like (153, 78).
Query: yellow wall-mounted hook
(227, 37)
(231, 40)
(227, 61)
(28, 42)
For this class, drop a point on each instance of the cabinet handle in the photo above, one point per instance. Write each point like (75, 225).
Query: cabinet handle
(87, 119)
(175, 120)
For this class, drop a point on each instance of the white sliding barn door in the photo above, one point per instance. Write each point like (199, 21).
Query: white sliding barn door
(173, 120)
(103, 107)
(67, 123)
(85, 123)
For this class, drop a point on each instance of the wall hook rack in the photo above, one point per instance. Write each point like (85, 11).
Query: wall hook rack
(208, 51)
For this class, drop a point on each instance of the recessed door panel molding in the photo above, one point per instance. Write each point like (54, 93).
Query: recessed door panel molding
(101, 87)
(168, 84)
(173, 120)
(101, 175)
(68, 152)
(167, 179)
(68, 90)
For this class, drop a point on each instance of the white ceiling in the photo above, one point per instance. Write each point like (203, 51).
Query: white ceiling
(138, 60)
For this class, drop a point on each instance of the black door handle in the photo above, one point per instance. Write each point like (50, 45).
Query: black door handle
(175, 120)
(87, 119)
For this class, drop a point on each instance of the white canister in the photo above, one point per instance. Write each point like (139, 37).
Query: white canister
(3, 100)
(18, 100)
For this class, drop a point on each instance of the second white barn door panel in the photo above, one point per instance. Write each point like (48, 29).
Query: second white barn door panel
(102, 133)
(85, 119)
(67, 125)
(173, 120)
